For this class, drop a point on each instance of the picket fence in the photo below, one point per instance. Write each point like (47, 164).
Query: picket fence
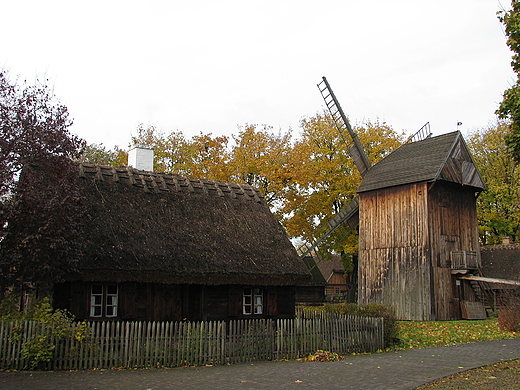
(171, 344)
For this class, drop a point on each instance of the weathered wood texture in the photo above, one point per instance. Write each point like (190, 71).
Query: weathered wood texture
(406, 236)
(452, 222)
(394, 267)
(172, 344)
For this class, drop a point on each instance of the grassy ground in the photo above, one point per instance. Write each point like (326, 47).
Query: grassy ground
(438, 333)
(435, 334)
(496, 376)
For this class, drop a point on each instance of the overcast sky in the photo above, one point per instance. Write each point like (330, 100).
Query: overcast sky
(212, 66)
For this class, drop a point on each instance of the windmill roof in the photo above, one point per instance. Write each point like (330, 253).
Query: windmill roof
(151, 227)
(445, 157)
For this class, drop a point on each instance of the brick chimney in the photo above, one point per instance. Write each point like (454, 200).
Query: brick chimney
(141, 157)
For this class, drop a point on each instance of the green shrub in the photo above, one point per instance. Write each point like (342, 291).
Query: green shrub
(55, 326)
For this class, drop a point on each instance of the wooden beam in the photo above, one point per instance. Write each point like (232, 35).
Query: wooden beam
(491, 280)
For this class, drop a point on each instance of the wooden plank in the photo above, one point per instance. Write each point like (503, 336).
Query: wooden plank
(473, 310)
(491, 280)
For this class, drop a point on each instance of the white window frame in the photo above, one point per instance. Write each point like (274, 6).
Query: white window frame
(252, 301)
(104, 299)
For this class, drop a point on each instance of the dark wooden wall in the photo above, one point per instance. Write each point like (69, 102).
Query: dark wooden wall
(452, 221)
(162, 302)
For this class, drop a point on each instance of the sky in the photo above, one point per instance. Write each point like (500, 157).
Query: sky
(203, 66)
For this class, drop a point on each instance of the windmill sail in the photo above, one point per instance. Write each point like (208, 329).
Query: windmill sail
(423, 133)
(348, 214)
(355, 148)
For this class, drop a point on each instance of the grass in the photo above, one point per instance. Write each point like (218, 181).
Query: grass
(495, 376)
(438, 333)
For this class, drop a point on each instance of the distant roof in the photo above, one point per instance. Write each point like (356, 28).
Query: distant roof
(445, 157)
(501, 261)
(330, 267)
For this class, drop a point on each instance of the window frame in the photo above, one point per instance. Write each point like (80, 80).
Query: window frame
(253, 301)
(104, 300)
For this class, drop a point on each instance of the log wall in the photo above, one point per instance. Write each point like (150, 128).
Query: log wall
(171, 302)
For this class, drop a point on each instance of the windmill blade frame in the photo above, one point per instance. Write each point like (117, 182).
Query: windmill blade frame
(342, 123)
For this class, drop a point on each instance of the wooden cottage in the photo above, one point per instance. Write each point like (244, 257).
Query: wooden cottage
(166, 247)
(418, 229)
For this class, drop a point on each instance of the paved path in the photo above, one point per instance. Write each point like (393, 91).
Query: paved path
(390, 370)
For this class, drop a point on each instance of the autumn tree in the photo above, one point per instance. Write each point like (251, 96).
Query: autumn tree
(171, 150)
(325, 178)
(261, 158)
(498, 208)
(100, 154)
(210, 157)
(510, 106)
(34, 133)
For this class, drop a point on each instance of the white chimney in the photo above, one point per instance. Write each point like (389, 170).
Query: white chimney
(141, 157)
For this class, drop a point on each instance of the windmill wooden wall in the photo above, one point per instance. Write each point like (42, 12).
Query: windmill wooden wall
(452, 227)
(408, 234)
(416, 208)
(394, 265)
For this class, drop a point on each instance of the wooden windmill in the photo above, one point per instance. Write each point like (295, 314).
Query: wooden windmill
(417, 223)
(349, 214)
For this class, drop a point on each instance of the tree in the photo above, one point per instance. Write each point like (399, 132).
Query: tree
(210, 157)
(261, 159)
(510, 106)
(325, 178)
(171, 151)
(34, 132)
(99, 154)
(498, 208)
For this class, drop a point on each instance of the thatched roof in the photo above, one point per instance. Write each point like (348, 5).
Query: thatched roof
(165, 228)
(445, 157)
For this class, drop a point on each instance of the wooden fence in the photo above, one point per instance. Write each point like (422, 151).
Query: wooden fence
(171, 344)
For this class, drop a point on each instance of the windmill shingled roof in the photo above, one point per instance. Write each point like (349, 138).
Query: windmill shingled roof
(414, 162)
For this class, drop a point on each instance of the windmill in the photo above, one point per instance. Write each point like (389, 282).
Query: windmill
(418, 236)
(349, 214)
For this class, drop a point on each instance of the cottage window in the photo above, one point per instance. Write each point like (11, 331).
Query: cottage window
(103, 300)
(253, 301)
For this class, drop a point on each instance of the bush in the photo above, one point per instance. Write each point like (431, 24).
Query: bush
(509, 315)
(56, 325)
